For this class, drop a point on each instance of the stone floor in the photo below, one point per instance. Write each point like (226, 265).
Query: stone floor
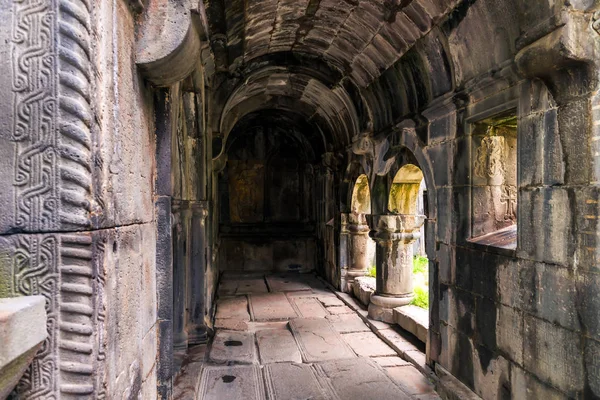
(289, 337)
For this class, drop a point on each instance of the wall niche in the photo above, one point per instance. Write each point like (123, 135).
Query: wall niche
(494, 178)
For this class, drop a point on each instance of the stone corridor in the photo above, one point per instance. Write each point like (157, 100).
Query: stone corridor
(290, 337)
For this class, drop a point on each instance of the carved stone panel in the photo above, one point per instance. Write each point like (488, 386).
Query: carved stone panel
(46, 135)
(64, 268)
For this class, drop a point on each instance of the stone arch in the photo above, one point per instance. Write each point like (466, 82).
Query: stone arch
(404, 191)
(361, 196)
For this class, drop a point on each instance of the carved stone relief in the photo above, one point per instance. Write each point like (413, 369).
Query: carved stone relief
(489, 160)
(51, 123)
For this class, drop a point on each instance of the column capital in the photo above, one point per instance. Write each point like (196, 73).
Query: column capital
(395, 227)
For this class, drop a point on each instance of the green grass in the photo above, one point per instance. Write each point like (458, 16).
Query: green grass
(420, 265)
(421, 298)
(372, 272)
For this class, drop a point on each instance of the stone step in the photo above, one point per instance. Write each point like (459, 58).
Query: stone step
(318, 341)
(270, 307)
(414, 320)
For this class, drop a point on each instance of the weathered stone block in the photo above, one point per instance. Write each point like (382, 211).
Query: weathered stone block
(553, 354)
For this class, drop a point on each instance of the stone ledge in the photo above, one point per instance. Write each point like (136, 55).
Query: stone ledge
(363, 288)
(22, 332)
(414, 320)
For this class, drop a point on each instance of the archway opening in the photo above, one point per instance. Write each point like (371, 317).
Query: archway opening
(408, 195)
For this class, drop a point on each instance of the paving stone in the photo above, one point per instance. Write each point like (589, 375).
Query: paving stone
(286, 283)
(318, 341)
(340, 310)
(359, 379)
(231, 324)
(287, 381)
(410, 380)
(309, 307)
(347, 323)
(397, 341)
(270, 307)
(330, 301)
(367, 344)
(392, 361)
(232, 383)
(233, 346)
(277, 345)
(233, 308)
(249, 286)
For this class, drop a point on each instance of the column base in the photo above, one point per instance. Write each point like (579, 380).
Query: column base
(381, 308)
(348, 277)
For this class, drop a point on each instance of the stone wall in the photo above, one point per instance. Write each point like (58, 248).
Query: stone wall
(77, 219)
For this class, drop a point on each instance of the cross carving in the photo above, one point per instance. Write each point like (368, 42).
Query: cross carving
(509, 197)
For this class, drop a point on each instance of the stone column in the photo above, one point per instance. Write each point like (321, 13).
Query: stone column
(196, 327)
(394, 236)
(358, 246)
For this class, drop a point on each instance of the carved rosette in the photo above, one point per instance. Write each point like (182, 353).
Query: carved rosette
(52, 125)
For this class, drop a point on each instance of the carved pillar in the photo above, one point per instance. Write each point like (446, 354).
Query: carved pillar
(196, 328)
(179, 279)
(394, 236)
(344, 251)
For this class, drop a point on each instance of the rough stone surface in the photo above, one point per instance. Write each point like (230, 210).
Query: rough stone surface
(233, 308)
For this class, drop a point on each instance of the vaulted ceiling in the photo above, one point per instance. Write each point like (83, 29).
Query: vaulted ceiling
(335, 62)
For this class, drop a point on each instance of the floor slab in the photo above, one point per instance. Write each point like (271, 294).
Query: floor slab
(233, 308)
(309, 307)
(359, 379)
(367, 344)
(287, 283)
(410, 380)
(230, 346)
(270, 307)
(289, 381)
(277, 345)
(318, 341)
(347, 323)
(232, 382)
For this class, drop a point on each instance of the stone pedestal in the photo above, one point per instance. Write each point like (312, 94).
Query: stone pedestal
(394, 236)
